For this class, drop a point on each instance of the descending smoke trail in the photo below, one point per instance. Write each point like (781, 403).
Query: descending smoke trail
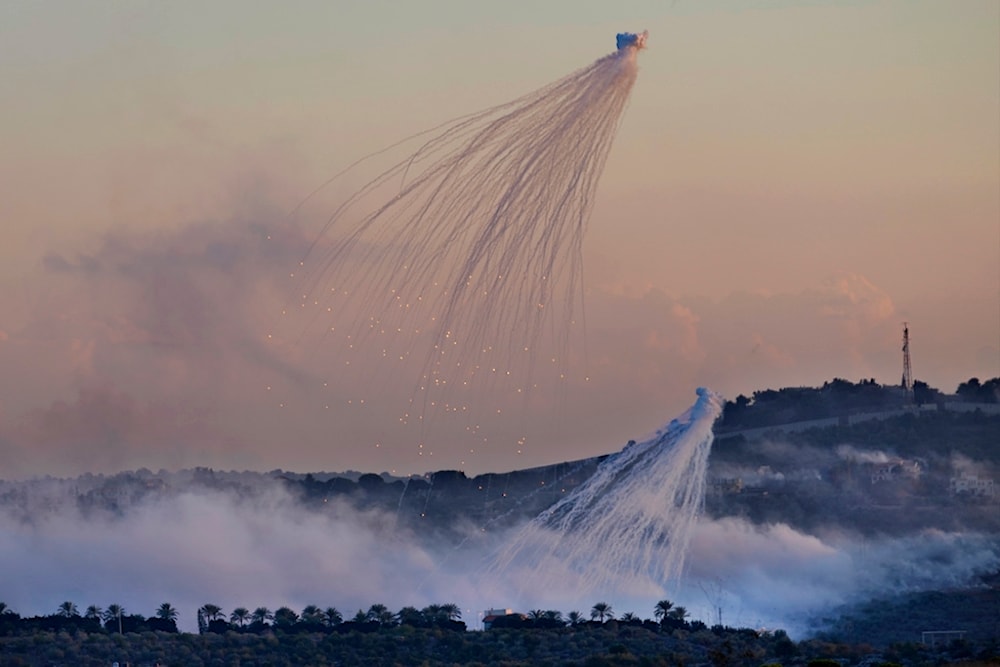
(461, 253)
(629, 525)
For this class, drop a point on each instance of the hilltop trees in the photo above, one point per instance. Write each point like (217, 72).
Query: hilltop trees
(8, 619)
(314, 620)
(68, 610)
(332, 617)
(589, 643)
(410, 616)
(211, 619)
(240, 616)
(661, 609)
(601, 612)
(675, 618)
(261, 615)
(285, 617)
(380, 614)
(112, 616)
(166, 612)
(211, 612)
(975, 391)
(312, 614)
(839, 397)
(164, 619)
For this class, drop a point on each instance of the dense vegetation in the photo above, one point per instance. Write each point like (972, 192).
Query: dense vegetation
(886, 621)
(432, 637)
(838, 398)
(888, 475)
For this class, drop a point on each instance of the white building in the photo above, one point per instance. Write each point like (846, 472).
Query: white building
(972, 486)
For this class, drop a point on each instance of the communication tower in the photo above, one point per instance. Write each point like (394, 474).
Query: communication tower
(907, 371)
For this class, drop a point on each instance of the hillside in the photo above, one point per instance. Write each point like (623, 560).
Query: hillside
(847, 456)
(860, 483)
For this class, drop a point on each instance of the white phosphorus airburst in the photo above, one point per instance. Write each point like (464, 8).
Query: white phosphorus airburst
(627, 528)
(464, 254)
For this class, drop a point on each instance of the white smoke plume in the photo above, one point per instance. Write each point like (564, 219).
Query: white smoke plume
(628, 526)
(202, 546)
(849, 453)
(776, 576)
(248, 542)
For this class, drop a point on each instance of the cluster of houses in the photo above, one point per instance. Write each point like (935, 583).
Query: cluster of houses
(960, 484)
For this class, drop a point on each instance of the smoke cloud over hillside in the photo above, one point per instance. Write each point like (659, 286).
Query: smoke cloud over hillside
(259, 545)
(775, 576)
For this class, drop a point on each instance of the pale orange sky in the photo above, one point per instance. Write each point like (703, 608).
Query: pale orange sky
(790, 183)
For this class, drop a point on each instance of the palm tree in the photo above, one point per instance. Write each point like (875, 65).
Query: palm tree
(261, 615)
(239, 616)
(68, 610)
(679, 613)
(629, 617)
(432, 614)
(575, 618)
(114, 611)
(312, 614)
(452, 611)
(93, 613)
(414, 617)
(167, 612)
(380, 614)
(4, 609)
(285, 617)
(332, 617)
(661, 609)
(360, 617)
(602, 611)
(536, 614)
(211, 612)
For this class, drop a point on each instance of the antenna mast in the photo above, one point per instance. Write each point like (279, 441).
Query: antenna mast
(907, 371)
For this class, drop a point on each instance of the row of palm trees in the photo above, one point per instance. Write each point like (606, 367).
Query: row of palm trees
(111, 617)
(68, 609)
(377, 613)
(602, 611)
(330, 616)
(380, 614)
(241, 616)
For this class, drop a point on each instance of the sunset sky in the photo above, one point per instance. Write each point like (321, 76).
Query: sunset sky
(791, 182)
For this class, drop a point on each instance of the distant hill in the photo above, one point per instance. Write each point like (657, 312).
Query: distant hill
(839, 399)
(808, 457)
